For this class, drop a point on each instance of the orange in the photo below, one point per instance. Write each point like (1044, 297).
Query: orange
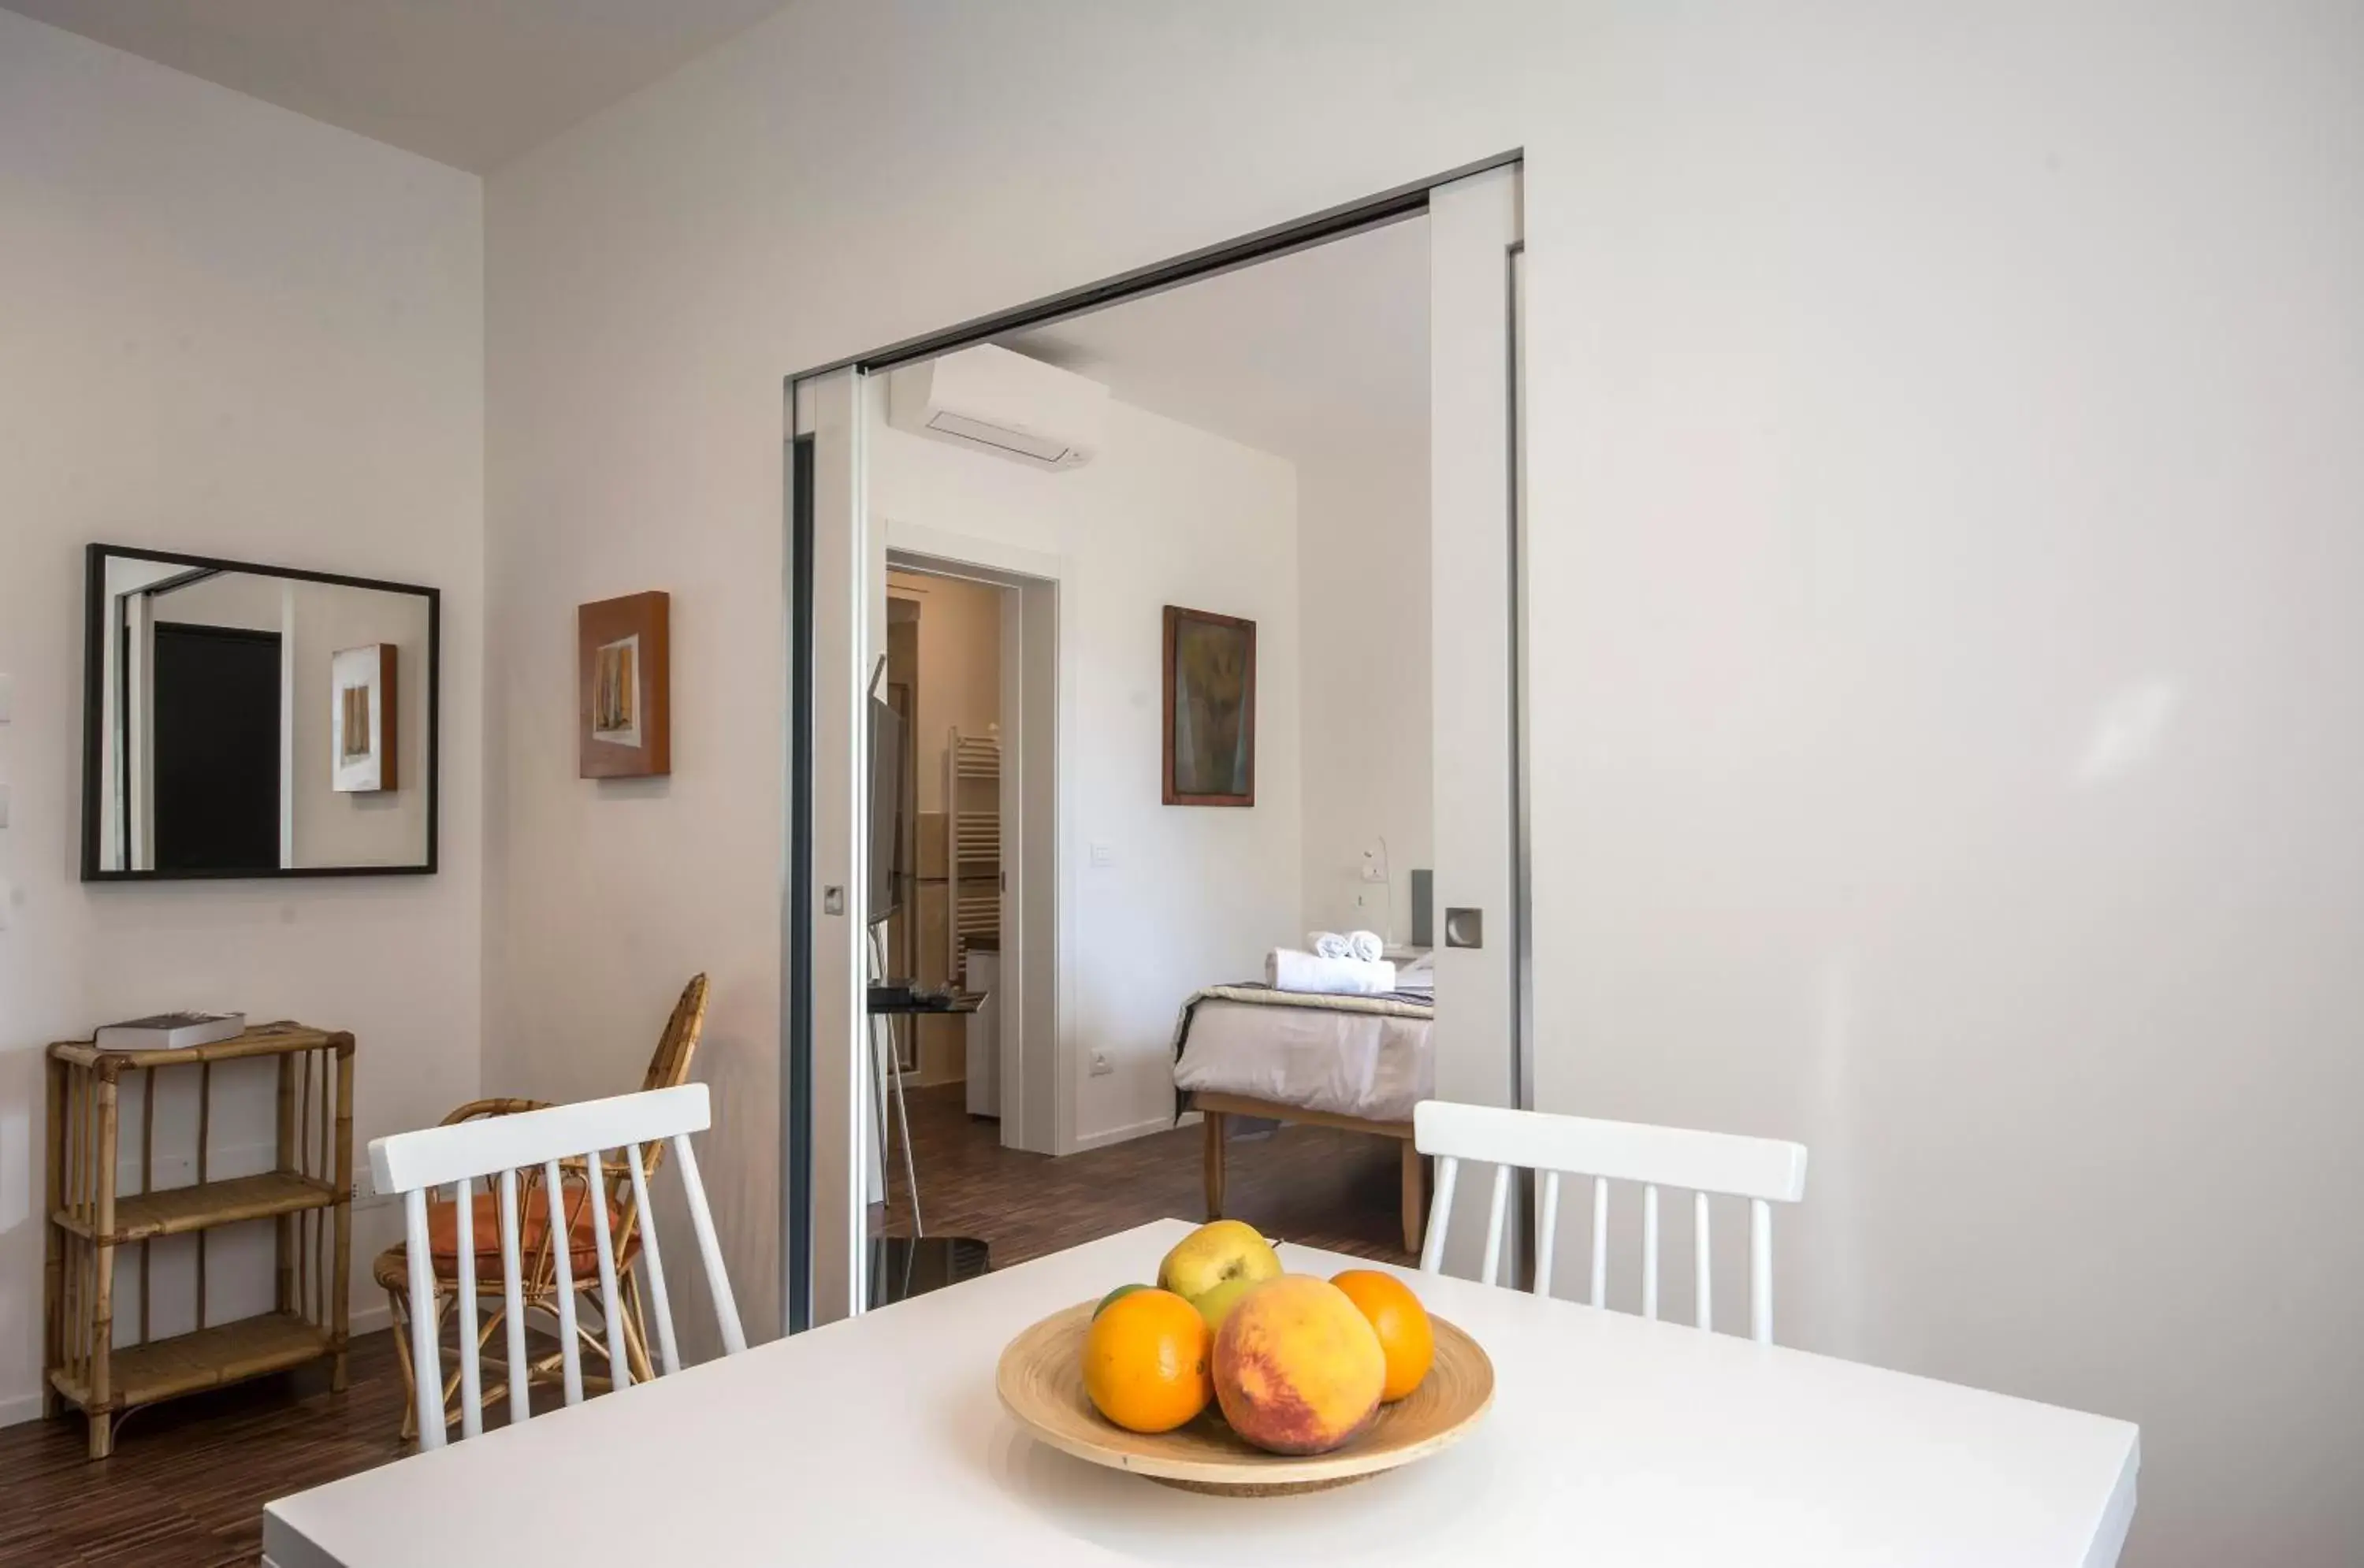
(1146, 1362)
(1401, 1322)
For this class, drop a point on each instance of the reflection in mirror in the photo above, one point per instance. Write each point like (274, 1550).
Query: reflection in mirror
(247, 722)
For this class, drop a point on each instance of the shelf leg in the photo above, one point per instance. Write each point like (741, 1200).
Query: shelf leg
(53, 1323)
(341, 1265)
(102, 1287)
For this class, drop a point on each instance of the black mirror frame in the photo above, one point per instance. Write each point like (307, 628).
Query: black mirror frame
(94, 710)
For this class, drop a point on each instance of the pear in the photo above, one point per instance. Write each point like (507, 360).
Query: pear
(1216, 1304)
(1219, 1250)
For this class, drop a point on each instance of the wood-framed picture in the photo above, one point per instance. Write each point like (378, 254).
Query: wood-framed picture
(1209, 730)
(362, 732)
(624, 658)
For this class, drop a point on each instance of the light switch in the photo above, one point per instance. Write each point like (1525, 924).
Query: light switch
(1103, 854)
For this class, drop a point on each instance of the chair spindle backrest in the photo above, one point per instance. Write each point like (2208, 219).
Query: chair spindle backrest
(459, 1155)
(1765, 1170)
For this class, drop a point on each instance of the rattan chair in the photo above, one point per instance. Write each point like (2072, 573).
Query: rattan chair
(668, 1067)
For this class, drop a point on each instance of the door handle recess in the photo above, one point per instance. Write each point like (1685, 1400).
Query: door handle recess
(1465, 928)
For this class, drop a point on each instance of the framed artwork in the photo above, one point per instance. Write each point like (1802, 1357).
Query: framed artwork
(362, 720)
(1210, 739)
(623, 655)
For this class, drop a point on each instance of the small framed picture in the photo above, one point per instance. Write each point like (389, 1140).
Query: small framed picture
(623, 652)
(1210, 739)
(363, 753)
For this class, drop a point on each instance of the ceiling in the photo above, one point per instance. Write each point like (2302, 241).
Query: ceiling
(468, 82)
(1323, 350)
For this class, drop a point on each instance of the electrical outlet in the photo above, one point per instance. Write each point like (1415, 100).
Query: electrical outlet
(1101, 1065)
(365, 1193)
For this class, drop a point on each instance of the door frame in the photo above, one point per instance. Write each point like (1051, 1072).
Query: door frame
(1038, 922)
(799, 1180)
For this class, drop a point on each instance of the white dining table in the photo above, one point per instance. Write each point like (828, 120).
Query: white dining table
(1611, 1441)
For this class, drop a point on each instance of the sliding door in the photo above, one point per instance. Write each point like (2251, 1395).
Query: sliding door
(825, 1107)
(1479, 917)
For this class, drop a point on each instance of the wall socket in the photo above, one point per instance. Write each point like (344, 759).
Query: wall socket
(1101, 1065)
(365, 1193)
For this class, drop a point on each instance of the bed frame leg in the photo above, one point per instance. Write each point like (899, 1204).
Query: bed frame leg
(1415, 1197)
(1215, 1127)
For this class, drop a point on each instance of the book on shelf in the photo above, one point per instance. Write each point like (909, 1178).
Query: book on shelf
(170, 1031)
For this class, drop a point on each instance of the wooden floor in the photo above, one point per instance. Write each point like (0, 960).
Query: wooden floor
(1313, 1185)
(188, 1480)
(186, 1486)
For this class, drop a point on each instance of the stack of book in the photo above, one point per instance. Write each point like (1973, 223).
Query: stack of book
(170, 1031)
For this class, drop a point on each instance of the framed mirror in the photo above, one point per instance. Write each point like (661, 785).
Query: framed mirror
(255, 721)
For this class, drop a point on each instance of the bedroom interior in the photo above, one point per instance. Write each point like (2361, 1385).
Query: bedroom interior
(1247, 453)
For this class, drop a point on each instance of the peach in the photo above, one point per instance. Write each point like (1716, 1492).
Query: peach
(1297, 1367)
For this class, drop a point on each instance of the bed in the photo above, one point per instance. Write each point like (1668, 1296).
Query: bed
(1355, 1063)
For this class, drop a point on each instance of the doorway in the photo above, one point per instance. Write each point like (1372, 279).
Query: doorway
(215, 747)
(988, 884)
(841, 534)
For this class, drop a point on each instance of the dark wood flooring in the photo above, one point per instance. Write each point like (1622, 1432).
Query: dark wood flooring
(188, 1483)
(1314, 1184)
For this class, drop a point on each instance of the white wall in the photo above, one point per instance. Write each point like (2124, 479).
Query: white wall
(1363, 592)
(1164, 515)
(1912, 392)
(231, 331)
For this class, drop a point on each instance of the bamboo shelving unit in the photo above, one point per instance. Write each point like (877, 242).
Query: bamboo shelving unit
(308, 1192)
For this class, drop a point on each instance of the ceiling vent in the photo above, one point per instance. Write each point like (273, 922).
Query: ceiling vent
(992, 400)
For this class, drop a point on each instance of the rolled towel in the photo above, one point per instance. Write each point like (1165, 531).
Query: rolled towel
(1366, 946)
(1287, 969)
(1330, 944)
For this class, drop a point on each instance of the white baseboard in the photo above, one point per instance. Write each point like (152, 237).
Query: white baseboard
(19, 1409)
(1135, 1130)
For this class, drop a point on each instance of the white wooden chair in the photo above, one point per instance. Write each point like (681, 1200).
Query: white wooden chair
(1765, 1170)
(412, 1163)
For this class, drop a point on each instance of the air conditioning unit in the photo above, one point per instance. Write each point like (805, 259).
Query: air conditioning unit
(992, 400)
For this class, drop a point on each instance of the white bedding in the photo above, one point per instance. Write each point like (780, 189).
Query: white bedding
(1374, 1066)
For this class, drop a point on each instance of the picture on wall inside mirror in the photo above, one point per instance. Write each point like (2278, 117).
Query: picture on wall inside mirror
(615, 692)
(361, 719)
(1209, 730)
(354, 744)
(623, 696)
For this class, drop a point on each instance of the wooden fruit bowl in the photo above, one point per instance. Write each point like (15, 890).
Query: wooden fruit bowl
(1041, 1380)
